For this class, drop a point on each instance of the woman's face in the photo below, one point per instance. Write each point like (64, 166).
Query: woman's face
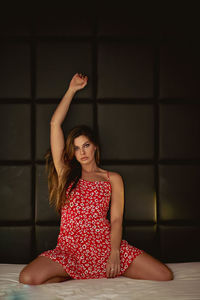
(84, 149)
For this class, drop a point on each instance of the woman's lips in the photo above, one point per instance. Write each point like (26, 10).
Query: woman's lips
(84, 158)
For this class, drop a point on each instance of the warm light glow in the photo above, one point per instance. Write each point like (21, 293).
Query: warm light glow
(155, 206)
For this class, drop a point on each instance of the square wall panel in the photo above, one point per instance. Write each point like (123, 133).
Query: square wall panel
(15, 193)
(139, 191)
(130, 71)
(15, 70)
(125, 20)
(179, 131)
(60, 22)
(143, 237)
(179, 193)
(46, 238)
(15, 244)
(179, 23)
(180, 243)
(126, 131)
(179, 70)
(15, 22)
(57, 63)
(15, 119)
(44, 212)
(77, 114)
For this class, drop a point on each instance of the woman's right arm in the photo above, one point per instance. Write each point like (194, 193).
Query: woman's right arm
(56, 134)
(63, 107)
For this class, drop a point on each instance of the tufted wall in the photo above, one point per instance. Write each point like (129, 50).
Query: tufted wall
(142, 98)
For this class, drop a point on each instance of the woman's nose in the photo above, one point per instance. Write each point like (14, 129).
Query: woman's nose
(82, 150)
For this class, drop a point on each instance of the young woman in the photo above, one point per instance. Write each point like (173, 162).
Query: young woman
(88, 245)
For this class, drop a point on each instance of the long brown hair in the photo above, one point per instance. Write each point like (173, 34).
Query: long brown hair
(72, 168)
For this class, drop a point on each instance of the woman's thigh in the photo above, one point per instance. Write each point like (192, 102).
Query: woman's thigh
(41, 269)
(145, 266)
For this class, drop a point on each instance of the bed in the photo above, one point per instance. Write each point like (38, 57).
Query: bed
(185, 285)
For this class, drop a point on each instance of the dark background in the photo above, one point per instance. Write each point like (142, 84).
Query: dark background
(142, 98)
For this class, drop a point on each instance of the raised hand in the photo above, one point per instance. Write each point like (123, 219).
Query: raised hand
(78, 82)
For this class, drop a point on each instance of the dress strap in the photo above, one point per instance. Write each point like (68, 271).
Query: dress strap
(108, 175)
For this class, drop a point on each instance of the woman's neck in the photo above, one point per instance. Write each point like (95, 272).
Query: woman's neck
(91, 168)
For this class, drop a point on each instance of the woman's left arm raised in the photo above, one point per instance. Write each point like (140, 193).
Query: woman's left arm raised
(116, 219)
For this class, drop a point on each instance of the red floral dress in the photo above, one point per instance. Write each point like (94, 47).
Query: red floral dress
(83, 245)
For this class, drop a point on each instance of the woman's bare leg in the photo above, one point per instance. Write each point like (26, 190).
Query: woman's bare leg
(43, 270)
(57, 279)
(145, 266)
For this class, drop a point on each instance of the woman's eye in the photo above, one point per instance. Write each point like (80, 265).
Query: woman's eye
(86, 145)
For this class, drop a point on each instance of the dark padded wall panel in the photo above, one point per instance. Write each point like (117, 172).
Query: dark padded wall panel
(15, 134)
(127, 22)
(178, 241)
(130, 72)
(55, 68)
(16, 21)
(142, 99)
(15, 70)
(15, 193)
(126, 131)
(144, 237)
(16, 246)
(179, 131)
(43, 211)
(46, 238)
(70, 21)
(179, 193)
(179, 70)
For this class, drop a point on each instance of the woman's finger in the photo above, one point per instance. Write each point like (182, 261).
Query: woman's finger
(113, 271)
(118, 269)
(109, 272)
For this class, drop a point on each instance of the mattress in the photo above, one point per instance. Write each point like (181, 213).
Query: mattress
(186, 285)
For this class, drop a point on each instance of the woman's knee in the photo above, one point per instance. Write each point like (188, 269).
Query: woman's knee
(147, 267)
(27, 276)
(167, 274)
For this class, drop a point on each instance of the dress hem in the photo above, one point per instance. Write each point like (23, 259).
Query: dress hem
(73, 276)
(128, 264)
(54, 259)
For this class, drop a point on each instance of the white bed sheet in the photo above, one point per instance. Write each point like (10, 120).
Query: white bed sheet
(186, 285)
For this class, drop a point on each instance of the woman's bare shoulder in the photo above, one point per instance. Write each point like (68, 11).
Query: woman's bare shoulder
(115, 176)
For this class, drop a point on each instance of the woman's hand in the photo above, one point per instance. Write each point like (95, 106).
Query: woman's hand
(113, 264)
(78, 82)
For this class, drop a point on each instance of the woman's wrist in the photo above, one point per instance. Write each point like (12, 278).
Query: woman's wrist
(115, 250)
(71, 90)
